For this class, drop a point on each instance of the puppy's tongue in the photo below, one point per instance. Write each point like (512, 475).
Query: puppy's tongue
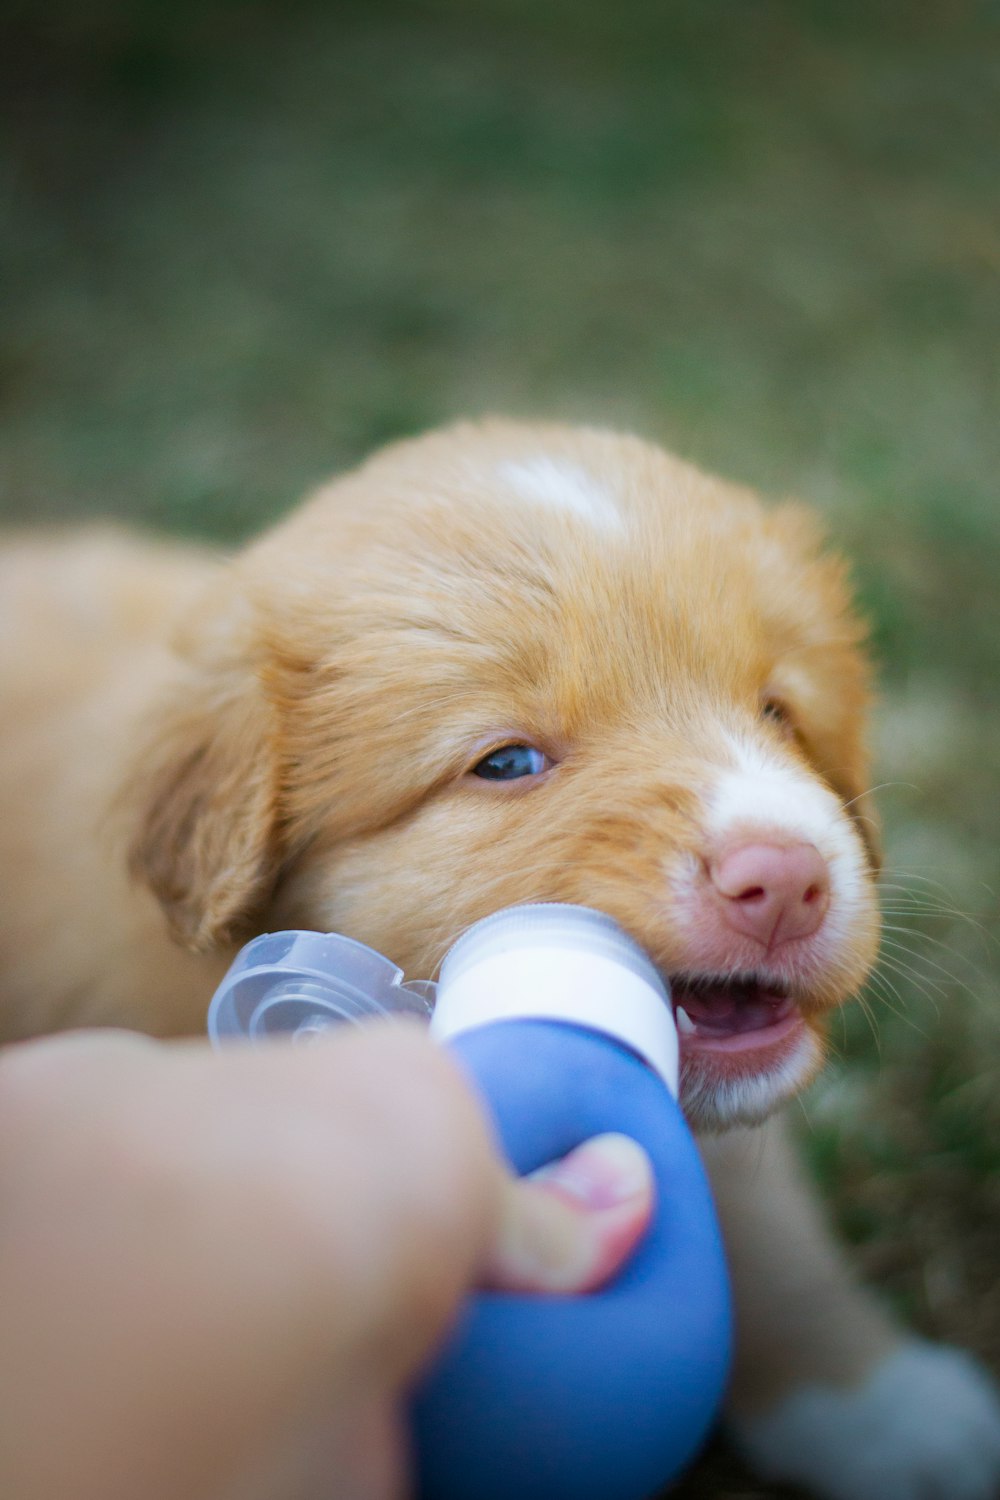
(727, 1007)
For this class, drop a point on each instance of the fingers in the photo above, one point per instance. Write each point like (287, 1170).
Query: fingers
(365, 1162)
(570, 1226)
(281, 1226)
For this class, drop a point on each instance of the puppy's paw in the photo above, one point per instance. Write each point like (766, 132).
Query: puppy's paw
(924, 1426)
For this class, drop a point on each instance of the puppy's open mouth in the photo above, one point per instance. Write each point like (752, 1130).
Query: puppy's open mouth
(738, 1013)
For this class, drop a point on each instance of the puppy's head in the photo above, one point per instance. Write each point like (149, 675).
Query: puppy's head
(507, 663)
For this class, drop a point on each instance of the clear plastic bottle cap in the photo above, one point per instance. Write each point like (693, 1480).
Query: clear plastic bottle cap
(559, 963)
(306, 982)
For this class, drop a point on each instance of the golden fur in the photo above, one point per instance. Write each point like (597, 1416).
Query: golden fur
(301, 757)
(196, 749)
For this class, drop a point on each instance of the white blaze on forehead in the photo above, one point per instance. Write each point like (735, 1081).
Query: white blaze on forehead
(564, 486)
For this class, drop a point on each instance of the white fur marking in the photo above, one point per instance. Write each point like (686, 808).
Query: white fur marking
(925, 1424)
(749, 1101)
(562, 486)
(766, 796)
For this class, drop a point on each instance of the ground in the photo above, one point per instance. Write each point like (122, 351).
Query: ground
(244, 245)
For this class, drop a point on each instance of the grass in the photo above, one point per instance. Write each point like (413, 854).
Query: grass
(245, 245)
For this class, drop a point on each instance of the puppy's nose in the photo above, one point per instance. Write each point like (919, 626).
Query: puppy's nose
(772, 892)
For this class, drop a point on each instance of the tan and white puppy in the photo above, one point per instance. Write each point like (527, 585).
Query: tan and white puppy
(496, 664)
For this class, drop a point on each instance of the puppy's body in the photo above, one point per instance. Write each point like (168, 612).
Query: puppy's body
(320, 734)
(88, 625)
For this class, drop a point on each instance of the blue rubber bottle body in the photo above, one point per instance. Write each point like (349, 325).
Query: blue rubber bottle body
(601, 1397)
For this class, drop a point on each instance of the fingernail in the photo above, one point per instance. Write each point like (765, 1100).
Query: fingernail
(575, 1221)
(604, 1172)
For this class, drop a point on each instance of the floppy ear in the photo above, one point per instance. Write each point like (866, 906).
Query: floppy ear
(204, 804)
(860, 807)
(826, 663)
(845, 759)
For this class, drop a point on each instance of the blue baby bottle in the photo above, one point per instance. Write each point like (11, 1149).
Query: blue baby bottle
(564, 1029)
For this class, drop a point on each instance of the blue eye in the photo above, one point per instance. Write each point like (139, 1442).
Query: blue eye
(777, 713)
(511, 762)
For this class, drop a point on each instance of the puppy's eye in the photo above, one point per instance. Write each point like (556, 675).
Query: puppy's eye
(777, 713)
(511, 762)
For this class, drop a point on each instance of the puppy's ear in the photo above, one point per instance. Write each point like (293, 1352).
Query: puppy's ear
(845, 758)
(860, 807)
(203, 801)
(824, 660)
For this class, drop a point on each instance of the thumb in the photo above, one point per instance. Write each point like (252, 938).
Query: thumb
(571, 1225)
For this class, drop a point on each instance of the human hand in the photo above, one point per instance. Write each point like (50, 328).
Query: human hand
(221, 1272)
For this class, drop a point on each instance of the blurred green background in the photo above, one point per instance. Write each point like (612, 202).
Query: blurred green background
(245, 244)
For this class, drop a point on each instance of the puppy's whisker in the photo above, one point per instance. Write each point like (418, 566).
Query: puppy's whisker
(869, 1015)
(910, 977)
(931, 901)
(885, 992)
(870, 792)
(923, 939)
(900, 953)
(914, 899)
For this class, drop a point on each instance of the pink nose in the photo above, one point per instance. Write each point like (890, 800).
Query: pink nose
(772, 892)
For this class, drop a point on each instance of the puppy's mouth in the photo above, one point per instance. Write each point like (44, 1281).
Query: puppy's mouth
(735, 1013)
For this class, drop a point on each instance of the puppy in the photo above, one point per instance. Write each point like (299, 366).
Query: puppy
(497, 664)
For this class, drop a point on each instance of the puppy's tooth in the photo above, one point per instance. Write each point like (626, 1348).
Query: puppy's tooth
(685, 1025)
